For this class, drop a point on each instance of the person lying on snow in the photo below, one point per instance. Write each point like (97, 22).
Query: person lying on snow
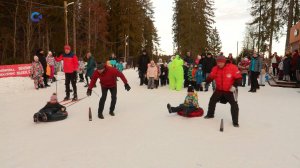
(53, 111)
(190, 103)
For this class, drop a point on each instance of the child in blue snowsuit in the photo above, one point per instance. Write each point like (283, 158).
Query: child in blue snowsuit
(199, 78)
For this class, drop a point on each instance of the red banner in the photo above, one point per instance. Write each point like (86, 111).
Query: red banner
(15, 70)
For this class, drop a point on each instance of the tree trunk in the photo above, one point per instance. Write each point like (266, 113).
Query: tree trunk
(28, 35)
(272, 26)
(289, 25)
(15, 32)
(297, 11)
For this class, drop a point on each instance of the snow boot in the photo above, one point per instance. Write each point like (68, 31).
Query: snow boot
(208, 117)
(100, 115)
(75, 98)
(112, 113)
(67, 98)
(236, 125)
(169, 108)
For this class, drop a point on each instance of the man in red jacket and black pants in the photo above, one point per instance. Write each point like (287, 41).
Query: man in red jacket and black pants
(108, 81)
(70, 69)
(227, 77)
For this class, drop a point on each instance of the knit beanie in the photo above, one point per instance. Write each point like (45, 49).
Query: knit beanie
(221, 59)
(53, 98)
(190, 89)
(100, 66)
(67, 47)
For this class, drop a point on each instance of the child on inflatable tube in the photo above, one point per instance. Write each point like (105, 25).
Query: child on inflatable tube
(189, 106)
(53, 111)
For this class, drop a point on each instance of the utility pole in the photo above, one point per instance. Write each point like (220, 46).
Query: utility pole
(74, 26)
(66, 22)
(237, 49)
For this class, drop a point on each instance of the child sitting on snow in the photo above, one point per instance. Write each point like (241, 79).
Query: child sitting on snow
(53, 111)
(36, 73)
(190, 103)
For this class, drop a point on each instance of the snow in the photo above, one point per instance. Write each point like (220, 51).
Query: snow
(143, 134)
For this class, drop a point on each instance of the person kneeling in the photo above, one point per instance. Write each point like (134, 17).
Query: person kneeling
(53, 111)
(190, 104)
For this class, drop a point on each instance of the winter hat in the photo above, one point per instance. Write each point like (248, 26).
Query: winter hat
(100, 66)
(221, 58)
(50, 53)
(67, 47)
(53, 98)
(35, 58)
(190, 89)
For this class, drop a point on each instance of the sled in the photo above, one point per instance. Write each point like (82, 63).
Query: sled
(197, 113)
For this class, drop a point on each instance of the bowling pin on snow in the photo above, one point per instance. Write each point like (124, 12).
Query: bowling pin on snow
(90, 114)
(222, 126)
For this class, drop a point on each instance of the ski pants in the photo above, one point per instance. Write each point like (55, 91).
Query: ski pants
(216, 97)
(70, 78)
(113, 92)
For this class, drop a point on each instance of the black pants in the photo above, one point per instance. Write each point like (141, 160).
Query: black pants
(113, 92)
(215, 98)
(143, 79)
(70, 78)
(181, 107)
(81, 77)
(45, 79)
(254, 82)
(163, 80)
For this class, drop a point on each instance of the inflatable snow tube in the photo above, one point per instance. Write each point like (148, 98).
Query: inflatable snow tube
(197, 113)
(48, 117)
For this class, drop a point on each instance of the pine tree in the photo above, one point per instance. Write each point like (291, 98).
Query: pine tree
(192, 22)
(215, 44)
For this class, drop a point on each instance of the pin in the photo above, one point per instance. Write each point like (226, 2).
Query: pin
(90, 114)
(222, 126)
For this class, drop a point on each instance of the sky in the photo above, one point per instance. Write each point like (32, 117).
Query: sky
(231, 17)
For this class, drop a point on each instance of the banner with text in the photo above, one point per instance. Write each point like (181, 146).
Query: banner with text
(15, 70)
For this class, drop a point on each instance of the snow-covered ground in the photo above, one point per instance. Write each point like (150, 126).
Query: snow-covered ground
(143, 134)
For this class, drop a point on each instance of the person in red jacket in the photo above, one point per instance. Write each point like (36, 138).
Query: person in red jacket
(70, 69)
(108, 81)
(227, 78)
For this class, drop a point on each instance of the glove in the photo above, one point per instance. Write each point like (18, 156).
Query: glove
(127, 87)
(89, 92)
(233, 89)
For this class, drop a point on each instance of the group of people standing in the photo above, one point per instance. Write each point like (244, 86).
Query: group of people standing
(286, 68)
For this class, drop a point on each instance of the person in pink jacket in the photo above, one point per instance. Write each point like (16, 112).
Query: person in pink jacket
(152, 74)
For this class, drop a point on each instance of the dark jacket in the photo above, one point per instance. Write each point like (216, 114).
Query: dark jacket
(298, 63)
(208, 64)
(188, 59)
(108, 78)
(90, 67)
(42, 59)
(144, 60)
(52, 108)
(287, 66)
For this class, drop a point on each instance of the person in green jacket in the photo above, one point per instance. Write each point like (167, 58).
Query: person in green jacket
(90, 68)
(176, 74)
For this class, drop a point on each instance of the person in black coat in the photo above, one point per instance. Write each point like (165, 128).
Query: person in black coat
(287, 68)
(144, 60)
(207, 64)
(42, 59)
(164, 74)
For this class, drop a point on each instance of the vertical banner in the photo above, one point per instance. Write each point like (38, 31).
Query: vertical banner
(19, 70)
